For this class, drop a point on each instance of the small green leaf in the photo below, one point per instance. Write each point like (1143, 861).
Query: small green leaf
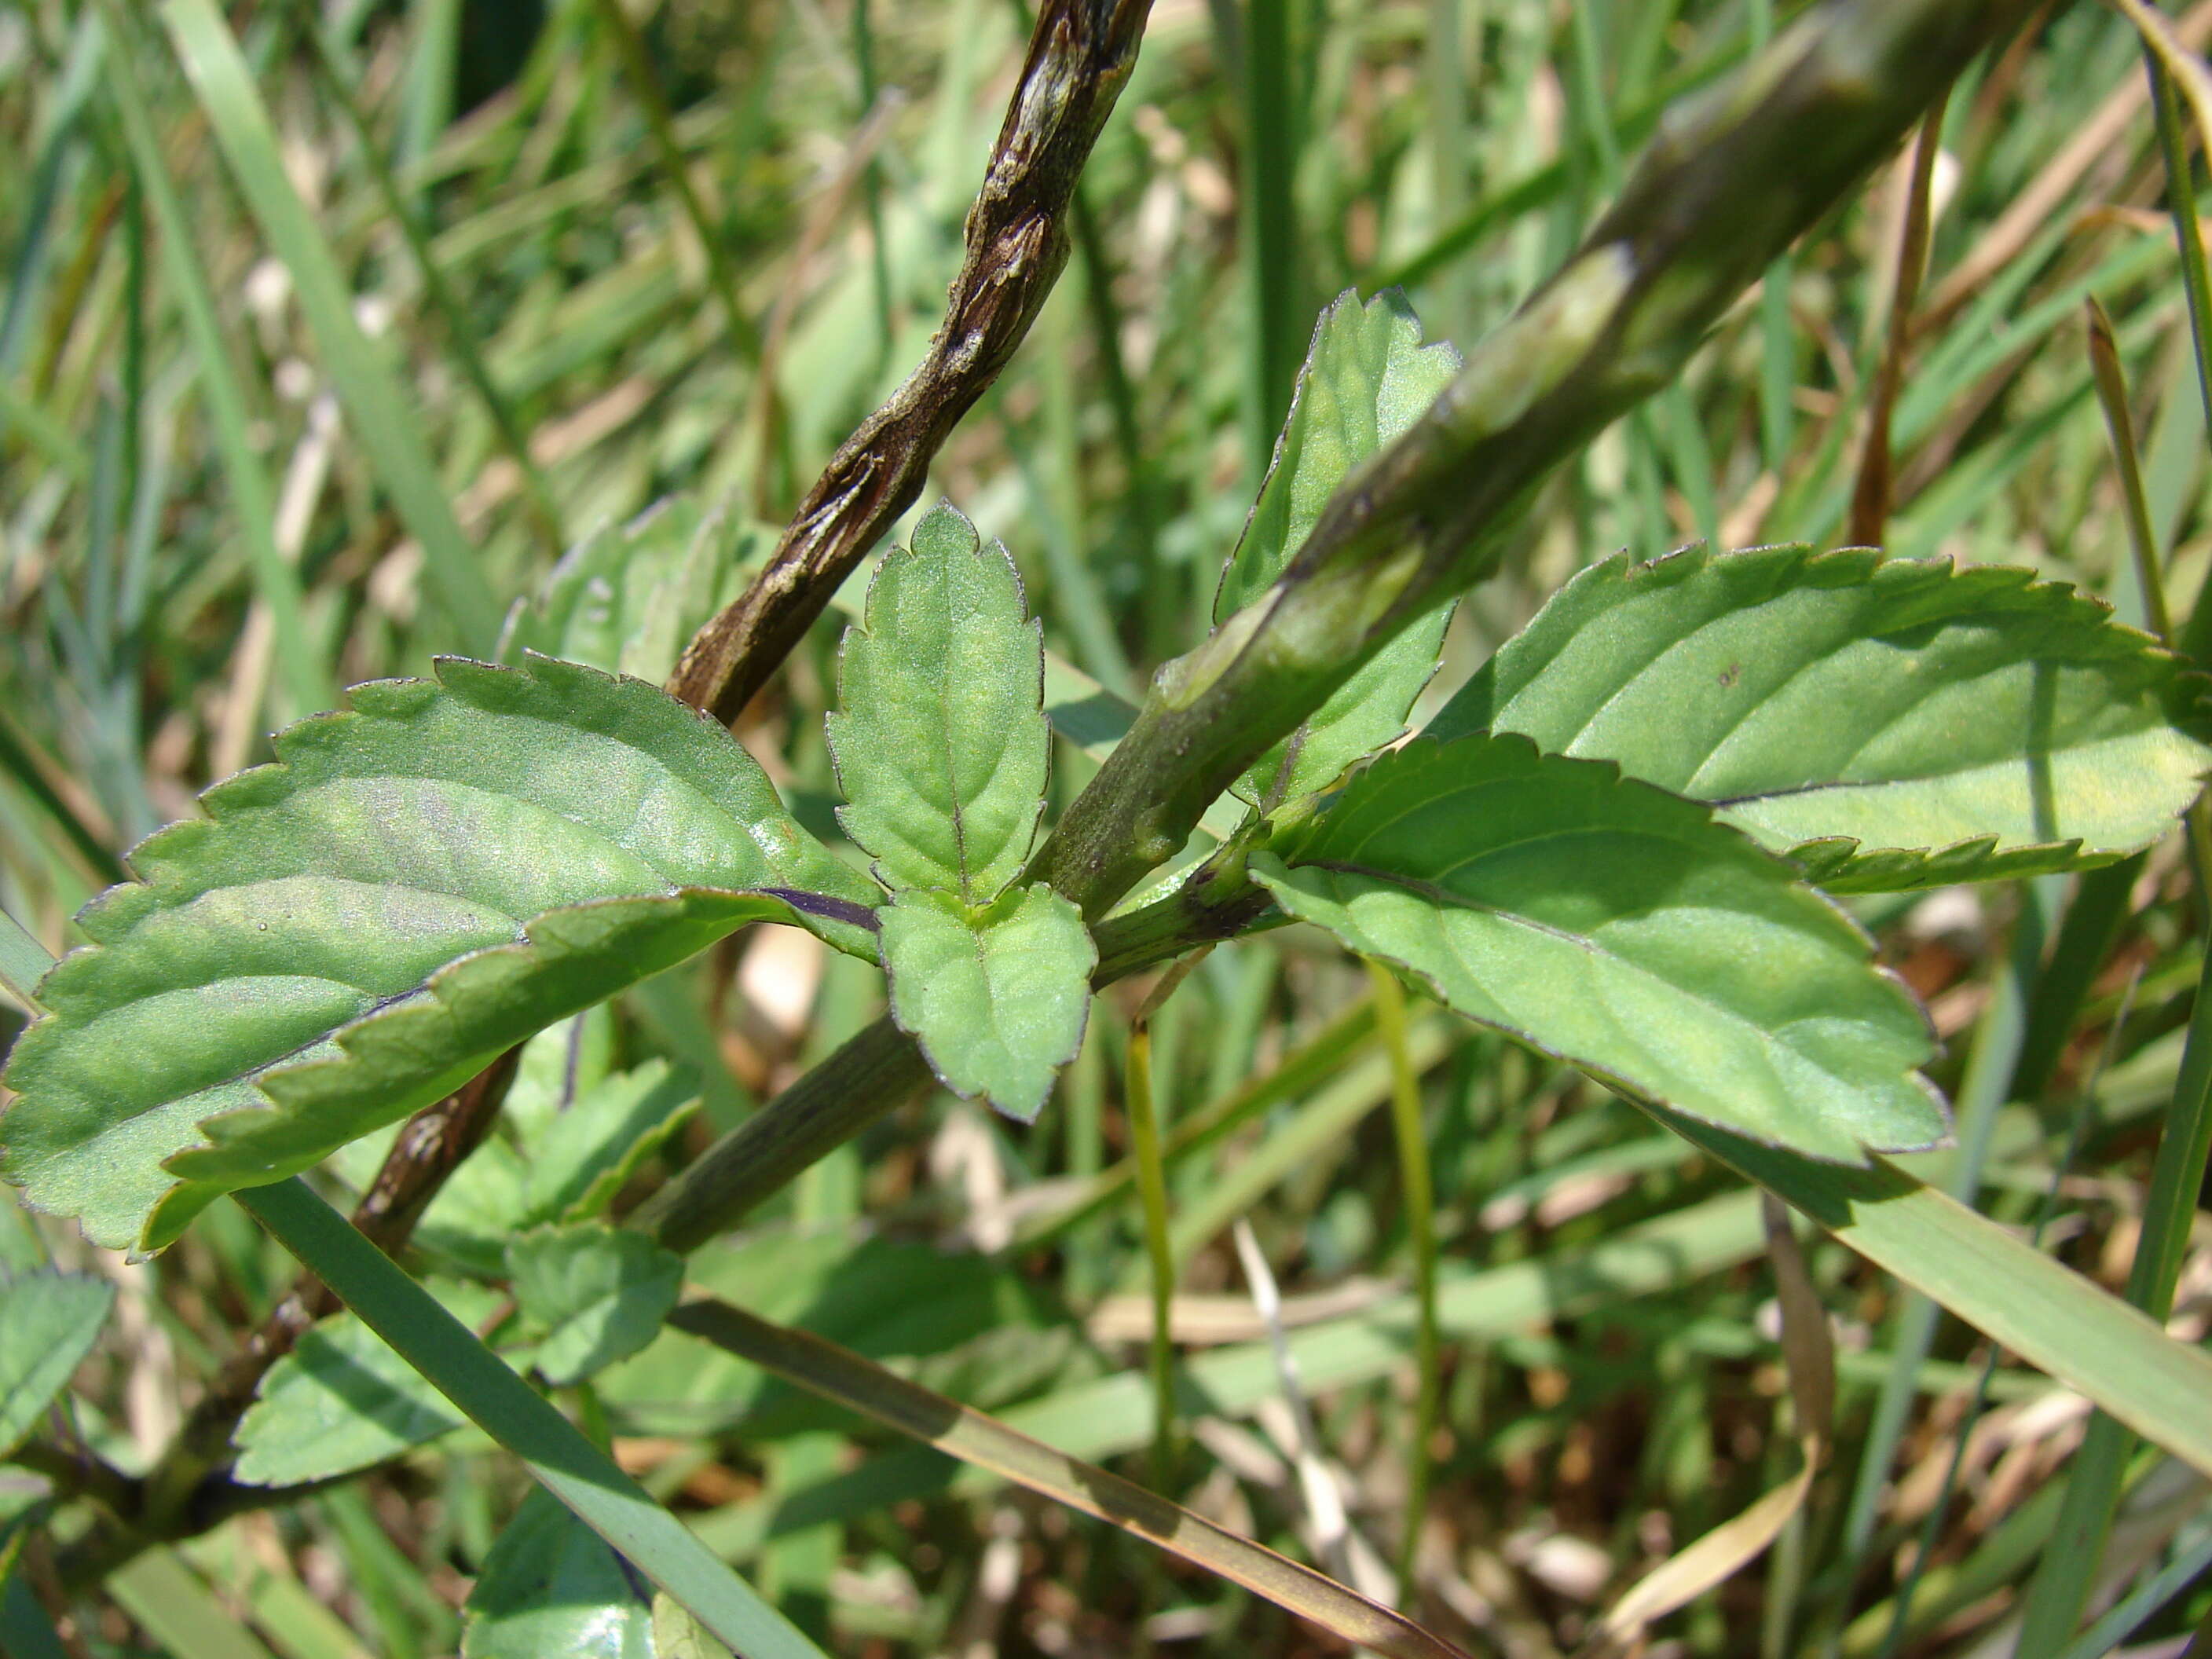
(48, 1322)
(627, 597)
(412, 888)
(343, 1400)
(941, 742)
(1621, 928)
(551, 1585)
(582, 1156)
(997, 997)
(562, 1158)
(1889, 726)
(1367, 377)
(598, 1293)
(677, 1635)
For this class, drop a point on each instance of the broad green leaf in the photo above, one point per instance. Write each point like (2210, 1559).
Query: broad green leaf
(1367, 377)
(48, 1322)
(551, 1585)
(351, 932)
(1889, 726)
(1619, 928)
(597, 1293)
(998, 996)
(343, 1400)
(628, 596)
(940, 739)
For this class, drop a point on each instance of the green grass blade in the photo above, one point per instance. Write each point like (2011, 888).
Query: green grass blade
(1418, 1190)
(566, 1463)
(383, 422)
(24, 960)
(460, 331)
(2054, 1319)
(307, 683)
(169, 1599)
(1269, 221)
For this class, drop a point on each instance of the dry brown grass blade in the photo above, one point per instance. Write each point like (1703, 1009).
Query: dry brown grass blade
(836, 1374)
(2187, 68)
(1871, 496)
(1017, 240)
(2034, 208)
(1808, 1355)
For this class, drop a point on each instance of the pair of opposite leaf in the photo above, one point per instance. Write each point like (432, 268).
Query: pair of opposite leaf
(422, 882)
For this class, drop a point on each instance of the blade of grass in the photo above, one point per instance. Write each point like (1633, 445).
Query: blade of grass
(31, 773)
(1306, 1066)
(1153, 1198)
(1114, 1414)
(1997, 1039)
(1418, 1194)
(167, 1599)
(253, 502)
(1870, 495)
(2052, 1318)
(382, 421)
(2147, 1598)
(484, 1388)
(645, 87)
(985, 1442)
(460, 333)
(24, 960)
(2060, 1590)
(1810, 1357)
(1931, 1524)
(1267, 222)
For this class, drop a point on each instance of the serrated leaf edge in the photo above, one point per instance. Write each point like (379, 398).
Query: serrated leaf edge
(1262, 857)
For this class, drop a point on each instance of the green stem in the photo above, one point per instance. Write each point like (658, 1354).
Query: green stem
(508, 1409)
(1735, 181)
(1419, 1191)
(1152, 1199)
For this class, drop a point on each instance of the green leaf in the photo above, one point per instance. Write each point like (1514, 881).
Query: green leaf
(997, 997)
(941, 742)
(677, 1635)
(551, 1585)
(582, 1156)
(628, 596)
(1620, 928)
(563, 1154)
(343, 1400)
(1890, 726)
(1367, 377)
(598, 1293)
(47, 1324)
(351, 932)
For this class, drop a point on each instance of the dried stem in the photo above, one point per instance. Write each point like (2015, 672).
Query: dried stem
(1017, 240)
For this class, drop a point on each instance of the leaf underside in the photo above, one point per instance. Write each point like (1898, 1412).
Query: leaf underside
(1366, 379)
(941, 742)
(1621, 928)
(411, 888)
(997, 999)
(1889, 725)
